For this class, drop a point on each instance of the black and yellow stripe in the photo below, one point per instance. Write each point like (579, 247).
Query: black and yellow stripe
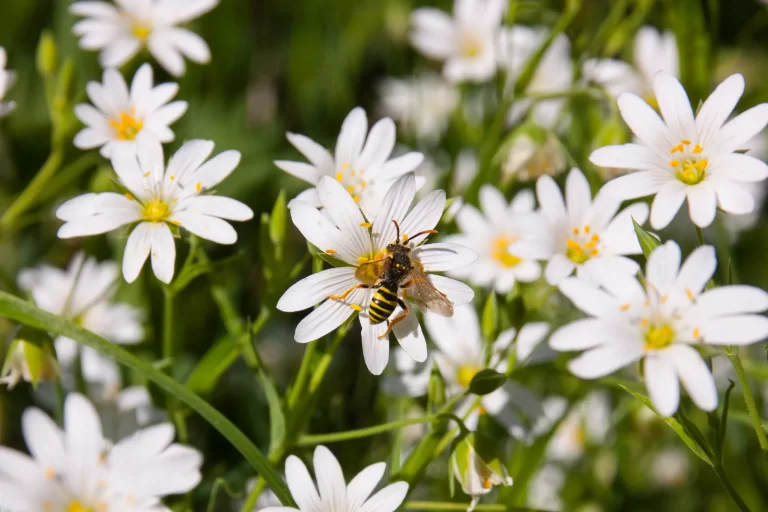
(382, 305)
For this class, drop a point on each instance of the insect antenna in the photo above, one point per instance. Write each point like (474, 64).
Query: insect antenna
(397, 227)
(421, 233)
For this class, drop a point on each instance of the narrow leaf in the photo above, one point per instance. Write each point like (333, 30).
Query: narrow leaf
(648, 242)
(720, 443)
(486, 381)
(212, 366)
(276, 413)
(490, 320)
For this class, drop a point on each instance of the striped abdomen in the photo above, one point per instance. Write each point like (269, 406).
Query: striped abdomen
(382, 305)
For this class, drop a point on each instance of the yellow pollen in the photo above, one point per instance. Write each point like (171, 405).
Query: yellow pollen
(339, 176)
(487, 484)
(141, 31)
(466, 374)
(353, 174)
(362, 259)
(50, 473)
(586, 229)
(346, 166)
(129, 196)
(363, 184)
(198, 187)
(76, 506)
(677, 149)
(127, 126)
(686, 142)
(689, 293)
(644, 322)
(578, 253)
(365, 225)
(658, 337)
(500, 252)
(674, 163)
(350, 189)
(696, 333)
(172, 177)
(356, 307)
(330, 251)
(664, 299)
(482, 411)
(175, 222)
(698, 149)
(156, 210)
(356, 198)
(575, 231)
(47, 506)
(470, 47)
(405, 238)
(146, 174)
(624, 307)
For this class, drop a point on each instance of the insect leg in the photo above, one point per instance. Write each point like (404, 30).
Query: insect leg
(397, 320)
(346, 293)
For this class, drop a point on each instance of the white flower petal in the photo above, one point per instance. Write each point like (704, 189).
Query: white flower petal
(215, 170)
(314, 152)
(351, 137)
(663, 265)
(493, 203)
(738, 167)
(531, 334)
(662, 384)
(82, 435)
(456, 291)
(730, 300)
(443, 256)
(667, 203)
(624, 156)
(558, 268)
(694, 374)
(379, 145)
(330, 479)
(425, 215)
(578, 196)
(375, 350)
(206, 226)
(163, 251)
(409, 335)
(301, 485)
(646, 124)
(736, 132)
(637, 184)
(733, 198)
(581, 334)
(605, 359)
(674, 105)
(702, 204)
(190, 45)
(620, 237)
(588, 297)
(394, 207)
(166, 54)
(550, 199)
(221, 207)
(326, 318)
(717, 108)
(44, 439)
(697, 270)
(345, 213)
(735, 330)
(361, 487)
(321, 233)
(317, 287)
(388, 499)
(137, 251)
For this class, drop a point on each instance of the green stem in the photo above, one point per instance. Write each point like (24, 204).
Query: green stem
(168, 345)
(250, 502)
(297, 389)
(30, 194)
(361, 432)
(447, 505)
(749, 399)
(68, 174)
(700, 236)
(24, 312)
(728, 485)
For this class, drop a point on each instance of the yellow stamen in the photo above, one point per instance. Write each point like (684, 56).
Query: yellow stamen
(141, 32)
(172, 177)
(674, 163)
(500, 252)
(586, 229)
(146, 174)
(690, 295)
(76, 506)
(624, 307)
(365, 225)
(658, 337)
(127, 126)
(50, 473)
(698, 149)
(129, 196)
(356, 198)
(198, 187)
(466, 374)
(677, 149)
(339, 176)
(575, 231)
(362, 259)
(696, 333)
(685, 141)
(356, 307)
(346, 166)
(644, 322)
(330, 251)
(664, 299)
(487, 484)
(156, 210)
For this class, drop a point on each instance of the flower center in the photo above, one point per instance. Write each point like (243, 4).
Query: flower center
(141, 31)
(500, 252)
(156, 210)
(127, 126)
(470, 46)
(466, 374)
(582, 245)
(689, 167)
(353, 180)
(658, 337)
(76, 506)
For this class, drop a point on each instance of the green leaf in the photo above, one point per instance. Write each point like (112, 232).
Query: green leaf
(278, 220)
(720, 442)
(276, 413)
(486, 381)
(673, 424)
(490, 321)
(27, 313)
(436, 391)
(648, 242)
(212, 366)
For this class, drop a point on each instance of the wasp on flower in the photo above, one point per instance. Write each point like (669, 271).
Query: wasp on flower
(380, 257)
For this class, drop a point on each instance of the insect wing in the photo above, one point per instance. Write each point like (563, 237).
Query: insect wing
(370, 272)
(427, 297)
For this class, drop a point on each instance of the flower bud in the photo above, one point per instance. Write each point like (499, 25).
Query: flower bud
(530, 152)
(47, 58)
(32, 361)
(477, 467)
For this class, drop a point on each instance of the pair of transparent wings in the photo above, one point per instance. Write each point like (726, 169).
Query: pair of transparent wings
(426, 296)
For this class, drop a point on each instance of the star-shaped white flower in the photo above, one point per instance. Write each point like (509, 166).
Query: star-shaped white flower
(685, 157)
(466, 42)
(653, 52)
(119, 115)
(158, 196)
(83, 293)
(422, 105)
(587, 423)
(461, 354)
(78, 469)
(341, 230)
(362, 165)
(506, 238)
(7, 79)
(332, 494)
(553, 74)
(588, 236)
(121, 31)
(661, 324)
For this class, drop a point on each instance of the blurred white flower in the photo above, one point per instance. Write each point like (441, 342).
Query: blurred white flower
(587, 422)
(157, 197)
(660, 323)
(685, 157)
(545, 488)
(553, 74)
(7, 79)
(120, 115)
(586, 236)
(78, 470)
(84, 293)
(757, 148)
(461, 354)
(361, 165)
(422, 104)
(121, 31)
(529, 158)
(670, 468)
(332, 494)
(466, 42)
(345, 234)
(653, 52)
(506, 238)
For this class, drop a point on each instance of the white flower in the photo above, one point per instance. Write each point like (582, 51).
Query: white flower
(83, 293)
(531, 156)
(686, 157)
(661, 323)
(588, 236)
(670, 468)
(342, 232)
(546, 487)
(653, 52)
(7, 79)
(29, 362)
(79, 470)
(553, 74)
(588, 422)
(462, 354)
(157, 197)
(467, 42)
(121, 31)
(361, 165)
(506, 238)
(120, 115)
(332, 494)
(758, 148)
(423, 104)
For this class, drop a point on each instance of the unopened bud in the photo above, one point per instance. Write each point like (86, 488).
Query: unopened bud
(28, 361)
(47, 55)
(530, 152)
(477, 467)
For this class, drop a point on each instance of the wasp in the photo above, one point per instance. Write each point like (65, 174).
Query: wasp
(394, 270)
